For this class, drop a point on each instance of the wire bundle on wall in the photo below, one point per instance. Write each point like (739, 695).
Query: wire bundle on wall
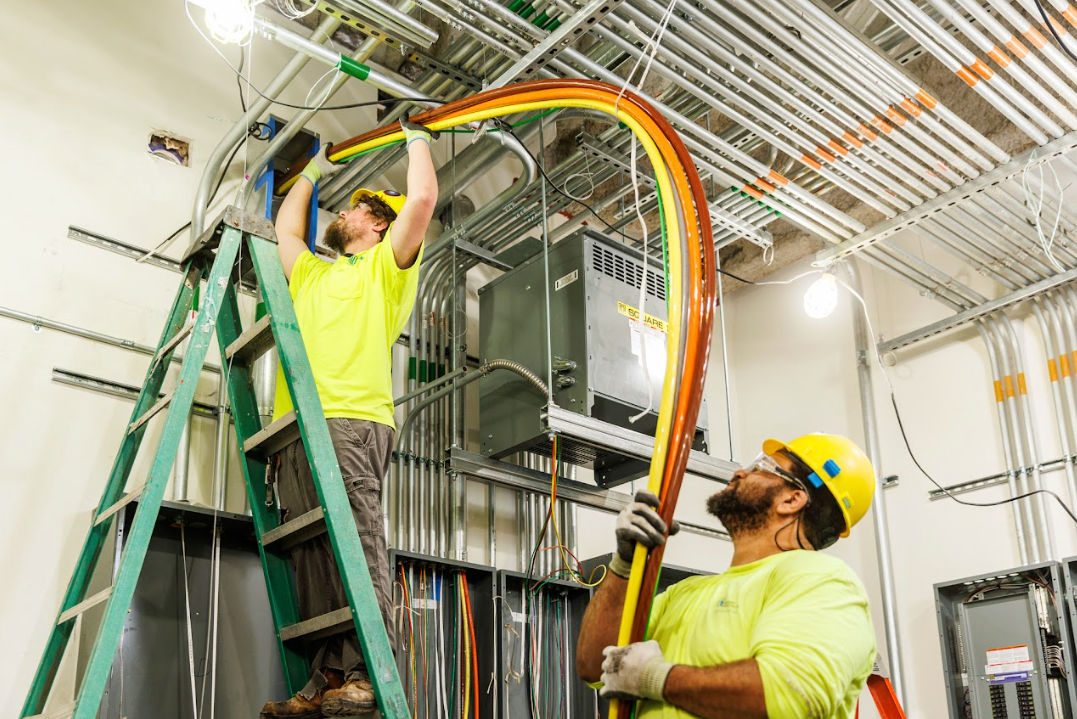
(436, 649)
(691, 268)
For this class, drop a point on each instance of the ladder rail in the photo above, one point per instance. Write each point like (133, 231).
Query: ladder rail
(138, 538)
(92, 546)
(283, 604)
(347, 547)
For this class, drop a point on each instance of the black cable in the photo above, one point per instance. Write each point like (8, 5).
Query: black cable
(1058, 38)
(949, 494)
(239, 83)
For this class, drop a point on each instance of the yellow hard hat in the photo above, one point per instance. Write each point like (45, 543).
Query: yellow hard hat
(392, 198)
(839, 465)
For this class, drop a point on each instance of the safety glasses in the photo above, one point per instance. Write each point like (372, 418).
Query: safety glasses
(765, 463)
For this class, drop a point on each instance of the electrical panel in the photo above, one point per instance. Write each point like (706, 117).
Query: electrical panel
(607, 364)
(1007, 645)
(444, 644)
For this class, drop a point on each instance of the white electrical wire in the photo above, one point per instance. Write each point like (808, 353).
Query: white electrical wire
(1036, 207)
(190, 637)
(654, 42)
(290, 10)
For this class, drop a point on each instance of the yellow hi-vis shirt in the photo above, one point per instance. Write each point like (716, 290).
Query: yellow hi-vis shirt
(803, 616)
(350, 313)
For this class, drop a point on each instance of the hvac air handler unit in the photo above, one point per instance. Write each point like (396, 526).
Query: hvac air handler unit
(597, 343)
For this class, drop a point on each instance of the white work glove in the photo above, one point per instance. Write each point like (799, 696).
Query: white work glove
(638, 671)
(638, 523)
(319, 167)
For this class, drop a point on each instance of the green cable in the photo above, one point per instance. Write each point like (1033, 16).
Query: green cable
(665, 256)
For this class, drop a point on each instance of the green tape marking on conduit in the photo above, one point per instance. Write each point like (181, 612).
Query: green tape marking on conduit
(354, 68)
(441, 371)
(756, 200)
(259, 311)
(422, 370)
(412, 362)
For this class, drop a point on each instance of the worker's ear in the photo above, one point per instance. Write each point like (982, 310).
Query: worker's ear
(791, 500)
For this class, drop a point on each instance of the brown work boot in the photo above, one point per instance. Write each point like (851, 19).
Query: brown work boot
(299, 708)
(355, 698)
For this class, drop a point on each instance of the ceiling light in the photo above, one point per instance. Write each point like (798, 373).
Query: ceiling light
(230, 21)
(822, 297)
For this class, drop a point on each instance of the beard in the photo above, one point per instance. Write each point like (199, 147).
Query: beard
(740, 512)
(337, 237)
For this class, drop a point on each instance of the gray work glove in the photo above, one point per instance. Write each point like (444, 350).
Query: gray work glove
(638, 671)
(638, 523)
(414, 131)
(319, 167)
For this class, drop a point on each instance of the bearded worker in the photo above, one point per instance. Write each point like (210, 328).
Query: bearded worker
(784, 633)
(350, 312)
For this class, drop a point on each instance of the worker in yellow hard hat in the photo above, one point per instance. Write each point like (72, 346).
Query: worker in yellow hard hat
(783, 633)
(350, 313)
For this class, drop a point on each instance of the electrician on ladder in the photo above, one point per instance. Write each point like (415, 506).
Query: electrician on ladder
(784, 633)
(350, 313)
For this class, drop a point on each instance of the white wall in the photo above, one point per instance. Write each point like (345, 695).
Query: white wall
(83, 86)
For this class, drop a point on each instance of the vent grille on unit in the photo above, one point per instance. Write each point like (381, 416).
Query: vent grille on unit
(624, 270)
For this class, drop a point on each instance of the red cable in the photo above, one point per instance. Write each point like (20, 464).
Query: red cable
(474, 654)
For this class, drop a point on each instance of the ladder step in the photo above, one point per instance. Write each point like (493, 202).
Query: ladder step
(157, 407)
(273, 438)
(84, 605)
(184, 332)
(252, 344)
(124, 501)
(335, 622)
(304, 527)
(58, 713)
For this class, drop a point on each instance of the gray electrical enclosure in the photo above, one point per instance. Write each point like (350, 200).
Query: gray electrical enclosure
(1006, 644)
(598, 346)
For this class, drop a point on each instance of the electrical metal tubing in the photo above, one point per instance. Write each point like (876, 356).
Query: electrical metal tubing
(1001, 96)
(805, 203)
(1005, 242)
(239, 131)
(1014, 434)
(886, 143)
(1028, 30)
(1014, 223)
(867, 58)
(1020, 75)
(865, 351)
(430, 385)
(1024, 420)
(848, 184)
(1050, 329)
(1011, 472)
(392, 16)
(753, 86)
(861, 67)
(1065, 312)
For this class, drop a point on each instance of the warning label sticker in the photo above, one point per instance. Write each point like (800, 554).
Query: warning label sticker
(649, 320)
(1008, 660)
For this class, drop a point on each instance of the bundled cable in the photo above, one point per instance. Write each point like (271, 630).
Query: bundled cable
(691, 269)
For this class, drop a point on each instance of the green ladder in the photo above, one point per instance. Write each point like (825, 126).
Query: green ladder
(218, 258)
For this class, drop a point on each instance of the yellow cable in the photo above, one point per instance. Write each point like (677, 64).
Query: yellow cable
(669, 206)
(467, 649)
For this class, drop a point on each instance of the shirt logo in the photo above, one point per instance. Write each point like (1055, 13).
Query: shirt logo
(726, 605)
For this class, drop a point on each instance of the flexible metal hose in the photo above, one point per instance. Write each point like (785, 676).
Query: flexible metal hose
(519, 369)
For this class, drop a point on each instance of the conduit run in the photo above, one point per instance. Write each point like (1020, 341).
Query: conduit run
(691, 269)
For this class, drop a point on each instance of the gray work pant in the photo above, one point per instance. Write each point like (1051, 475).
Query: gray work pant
(364, 450)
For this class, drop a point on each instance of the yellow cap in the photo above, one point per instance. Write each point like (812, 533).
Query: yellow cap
(392, 198)
(839, 465)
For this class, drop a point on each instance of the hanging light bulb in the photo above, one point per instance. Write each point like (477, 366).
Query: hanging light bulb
(230, 21)
(822, 297)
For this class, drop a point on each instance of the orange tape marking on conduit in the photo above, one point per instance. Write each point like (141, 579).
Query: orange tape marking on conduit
(811, 162)
(1070, 13)
(1035, 37)
(968, 77)
(1009, 385)
(911, 107)
(825, 155)
(983, 70)
(1017, 47)
(1000, 58)
(837, 147)
(852, 139)
(778, 179)
(1052, 369)
(882, 124)
(1022, 388)
(999, 394)
(766, 186)
(926, 100)
(867, 132)
(896, 116)
(1064, 365)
